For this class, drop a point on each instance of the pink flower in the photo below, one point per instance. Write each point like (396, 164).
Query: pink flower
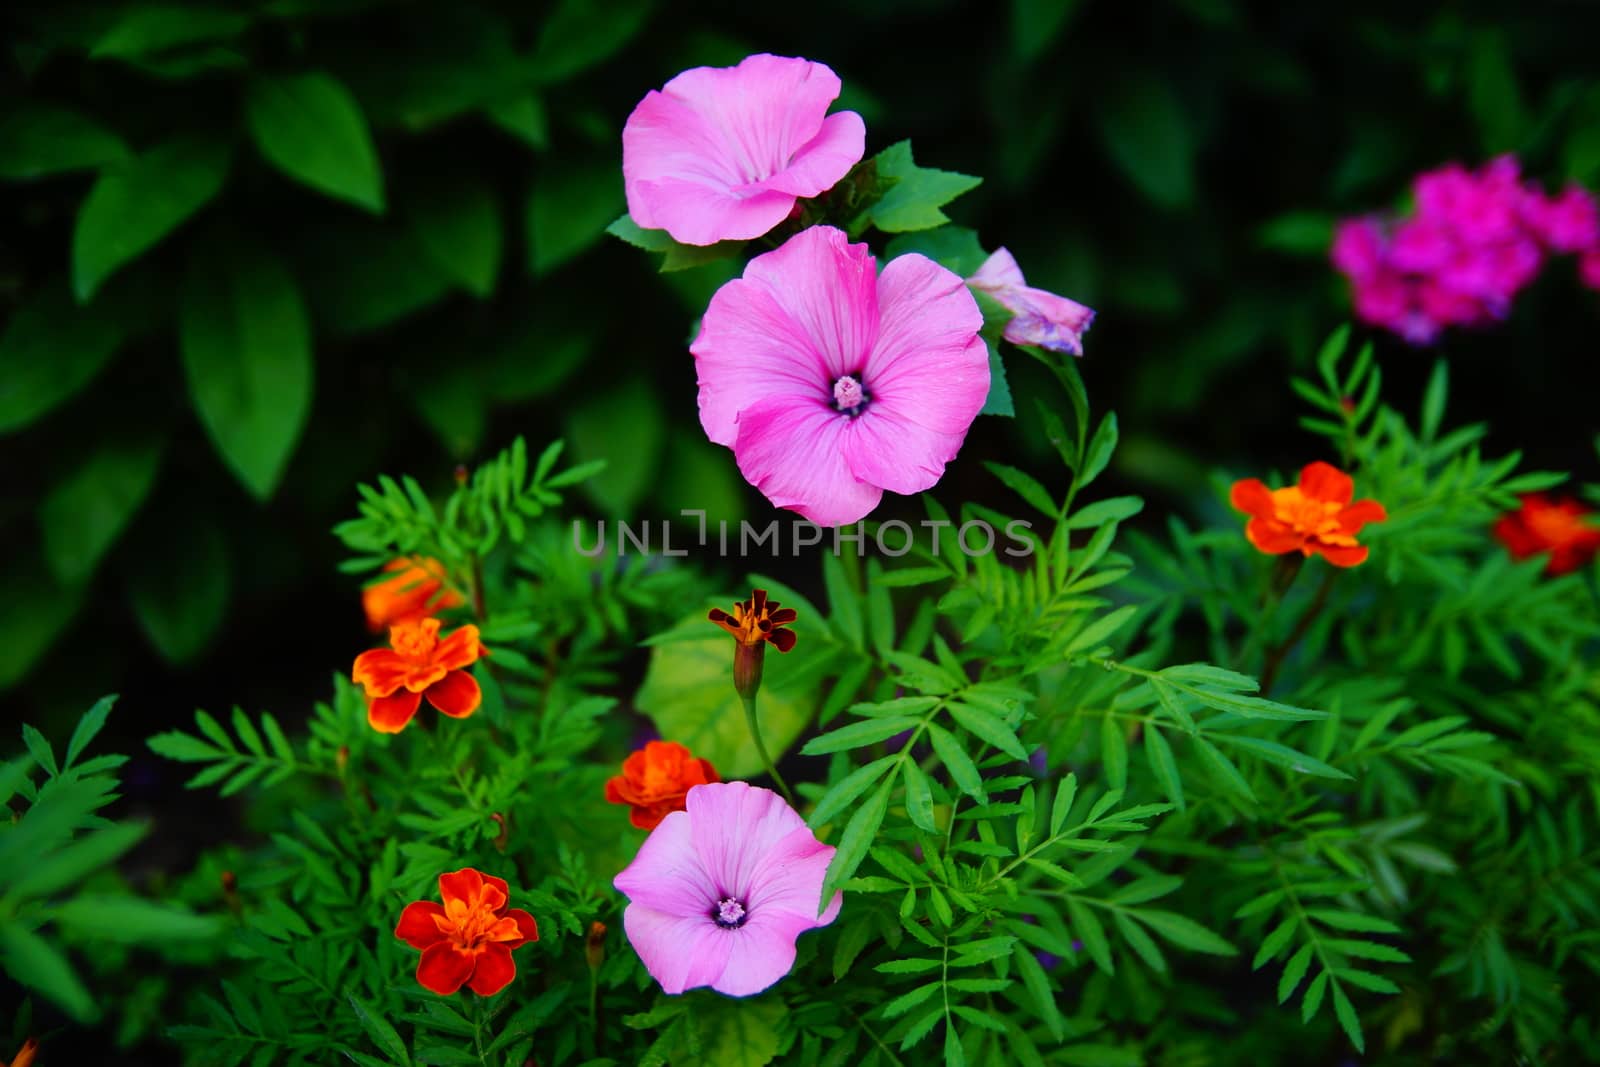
(832, 382)
(1569, 222)
(722, 153)
(1038, 317)
(718, 894)
(1358, 248)
(1589, 268)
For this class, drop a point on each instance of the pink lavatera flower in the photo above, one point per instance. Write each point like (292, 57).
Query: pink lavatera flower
(718, 894)
(723, 153)
(1037, 317)
(832, 382)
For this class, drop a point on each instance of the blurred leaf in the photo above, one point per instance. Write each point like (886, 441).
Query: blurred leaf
(912, 195)
(699, 475)
(179, 592)
(569, 208)
(434, 63)
(135, 205)
(453, 406)
(130, 920)
(1147, 135)
(1581, 157)
(580, 33)
(1492, 90)
(361, 274)
(38, 140)
(83, 515)
(457, 222)
(1302, 233)
(731, 1032)
(688, 694)
(999, 400)
(310, 127)
(1035, 24)
(51, 349)
(955, 248)
(623, 425)
(40, 966)
(522, 115)
(246, 347)
(33, 613)
(146, 28)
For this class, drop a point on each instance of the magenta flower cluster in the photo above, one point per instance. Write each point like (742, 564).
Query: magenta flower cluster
(1473, 241)
(832, 381)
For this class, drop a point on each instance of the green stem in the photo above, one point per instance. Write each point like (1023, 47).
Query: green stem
(761, 747)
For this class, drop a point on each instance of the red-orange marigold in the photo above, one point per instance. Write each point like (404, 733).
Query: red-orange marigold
(414, 590)
(1315, 516)
(656, 779)
(1564, 528)
(468, 941)
(419, 665)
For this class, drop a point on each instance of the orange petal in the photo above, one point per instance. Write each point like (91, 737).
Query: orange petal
(649, 817)
(463, 885)
(1340, 555)
(380, 670)
(1271, 536)
(1324, 481)
(456, 694)
(417, 927)
(1360, 513)
(783, 640)
(525, 926)
(495, 893)
(389, 715)
(444, 968)
(459, 650)
(1251, 496)
(494, 970)
(709, 772)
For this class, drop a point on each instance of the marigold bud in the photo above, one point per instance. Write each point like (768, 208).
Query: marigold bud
(594, 946)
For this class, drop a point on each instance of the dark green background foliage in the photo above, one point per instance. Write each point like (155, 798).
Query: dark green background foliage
(253, 254)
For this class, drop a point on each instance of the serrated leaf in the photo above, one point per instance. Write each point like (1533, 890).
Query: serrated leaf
(913, 200)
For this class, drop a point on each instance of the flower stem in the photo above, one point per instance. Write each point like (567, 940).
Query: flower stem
(1277, 654)
(749, 702)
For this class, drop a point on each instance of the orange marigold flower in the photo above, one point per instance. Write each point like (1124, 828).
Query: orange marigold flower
(414, 591)
(467, 942)
(656, 779)
(1564, 528)
(25, 1054)
(755, 624)
(419, 665)
(1315, 516)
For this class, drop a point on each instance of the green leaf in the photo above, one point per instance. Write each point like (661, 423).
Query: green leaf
(312, 129)
(1165, 769)
(1186, 933)
(146, 29)
(1099, 450)
(624, 425)
(688, 693)
(457, 222)
(82, 516)
(1345, 1012)
(88, 726)
(246, 344)
(134, 205)
(70, 865)
(962, 770)
(130, 920)
(1148, 136)
(848, 789)
(581, 33)
(1281, 755)
(1301, 233)
(858, 735)
(856, 840)
(919, 798)
(912, 195)
(1040, 992)
(1024, 485)
(572, 203)
(38, 140)
(50, 350)
(179, 592)
(522, 114)
(1293, 971)
(381, 1031)
(999, 401)
(1094, 634)
(955, 248)
(33, 613)
(39, 966)
(989, 728)
(624, 228)
(1114, 753)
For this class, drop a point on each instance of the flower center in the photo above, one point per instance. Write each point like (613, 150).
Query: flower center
(848, 396)
(729, 914)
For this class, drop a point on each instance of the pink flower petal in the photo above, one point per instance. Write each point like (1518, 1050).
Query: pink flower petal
(667, 875)
(792, 450)
(885, 449)
(722, 153)
(758, 957)
(929, 366)
(831, 292)
(825, 159)
(788, 884)
(681, 952)
(734, 825)
(1039, 317)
